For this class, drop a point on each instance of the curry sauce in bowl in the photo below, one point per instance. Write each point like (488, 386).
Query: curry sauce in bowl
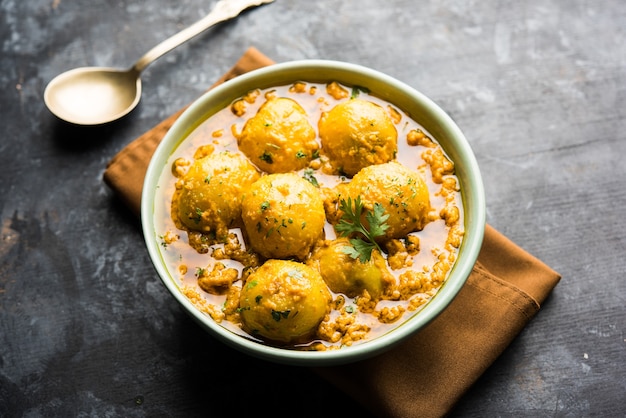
(313, 212)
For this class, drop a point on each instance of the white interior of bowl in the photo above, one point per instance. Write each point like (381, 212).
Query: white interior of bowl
(418, 106)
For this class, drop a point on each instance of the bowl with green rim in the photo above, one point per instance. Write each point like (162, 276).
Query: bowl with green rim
(402, 96)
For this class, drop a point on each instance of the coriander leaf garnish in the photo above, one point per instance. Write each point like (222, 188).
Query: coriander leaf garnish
(163, 239)
(356, 91)
(377, 220)
(198, 216)
(350, 223)
(310, 177)
(278, 315)
(360, 249)
(267, 157)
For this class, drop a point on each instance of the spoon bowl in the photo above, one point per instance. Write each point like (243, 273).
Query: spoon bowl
(93, 95)
(97, 95)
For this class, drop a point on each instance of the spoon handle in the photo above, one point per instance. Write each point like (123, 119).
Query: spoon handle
(223, 10)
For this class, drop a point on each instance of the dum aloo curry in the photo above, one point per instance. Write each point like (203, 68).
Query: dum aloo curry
(309, 216)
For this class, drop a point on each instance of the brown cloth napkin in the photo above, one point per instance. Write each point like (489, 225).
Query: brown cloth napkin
(426, 375)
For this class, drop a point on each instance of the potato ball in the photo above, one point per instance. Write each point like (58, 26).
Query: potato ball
(284, 301)
(283, 215)
(279, 138)
(209, 200)
(355, 134)
(401, 191)
(349, 276)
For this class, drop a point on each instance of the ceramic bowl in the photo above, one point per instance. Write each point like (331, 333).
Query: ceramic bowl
(404, 97)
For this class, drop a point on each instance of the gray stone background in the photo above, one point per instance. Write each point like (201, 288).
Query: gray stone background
(538, 87)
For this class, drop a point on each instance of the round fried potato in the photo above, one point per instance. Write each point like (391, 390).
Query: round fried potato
(279, 138)
(401, 191)
(283, 215)
(344, 274)
(210, 198)
(355, 134)
(284, 301)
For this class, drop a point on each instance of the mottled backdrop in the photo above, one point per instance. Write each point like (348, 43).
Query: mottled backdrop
(539, 88)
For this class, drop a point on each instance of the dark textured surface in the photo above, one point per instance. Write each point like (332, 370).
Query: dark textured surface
(539, 87)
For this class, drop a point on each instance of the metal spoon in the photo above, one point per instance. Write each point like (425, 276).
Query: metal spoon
(97, 95)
